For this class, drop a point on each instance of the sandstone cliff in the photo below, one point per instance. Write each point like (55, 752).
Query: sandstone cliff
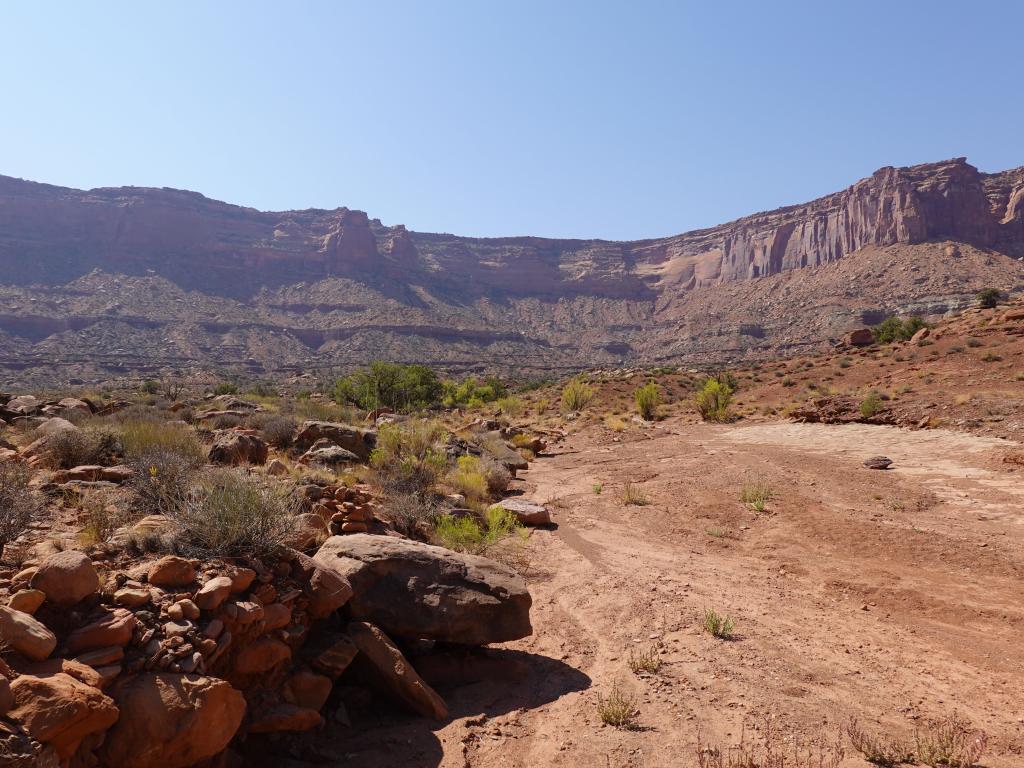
(196, 281)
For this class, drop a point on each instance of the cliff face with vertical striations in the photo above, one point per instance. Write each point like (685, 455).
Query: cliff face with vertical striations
(276, 291)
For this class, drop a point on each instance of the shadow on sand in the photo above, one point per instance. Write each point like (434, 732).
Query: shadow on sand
(484, 682)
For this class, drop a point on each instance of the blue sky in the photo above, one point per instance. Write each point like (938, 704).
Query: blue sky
(573, 118)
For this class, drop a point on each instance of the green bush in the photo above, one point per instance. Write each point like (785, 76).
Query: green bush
(472, 393)
(871, 405)
(226, 388)
(409, 458)
(576, 395)
(713, 400)
(989, 298)
(468, 478)
(467, 534)
(718, 625)
(390, 385)
(894, 329)
(648, 398)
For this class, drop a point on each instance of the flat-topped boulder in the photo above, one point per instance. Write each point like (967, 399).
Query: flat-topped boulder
(355, 439)
(419, 591)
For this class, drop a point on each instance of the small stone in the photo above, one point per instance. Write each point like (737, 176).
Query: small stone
(172, 571)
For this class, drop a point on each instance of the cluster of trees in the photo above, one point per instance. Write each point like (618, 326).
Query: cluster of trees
(403, 387)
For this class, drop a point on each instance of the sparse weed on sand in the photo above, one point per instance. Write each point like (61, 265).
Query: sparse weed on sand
(718, 625)
(951, 742)
(756, 494)
(883, 751)
(645, 661)
(772, 751)
(618, 709)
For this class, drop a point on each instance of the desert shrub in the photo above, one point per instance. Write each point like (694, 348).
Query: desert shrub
(991, 357)
(92, 444)
(884, 751)
(713, 400)
(576, 394)
(263, 389)
(648, 661)
(19, 503)
(226, 388)
(226, 421)
(150, 387)
(597, 489)
(950, 743)
(618, 709)
(390, 385)
(845, 362)
(162, 477)
(278, 431)
(718, 625)
(410, 512)
(870, 405)
(989, 298)
(973, 342)
(648, 398)
(633, 495)
(468, 534)
(472, 393)
(615, 423)
(468, 478)
(408, 457)
(228, 514)
(757, 494)
(894, 329)
(139, 436)
(102, 515)
(512, 406)
(772, 751)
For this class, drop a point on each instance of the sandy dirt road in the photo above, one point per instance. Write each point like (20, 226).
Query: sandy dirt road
(893, 596)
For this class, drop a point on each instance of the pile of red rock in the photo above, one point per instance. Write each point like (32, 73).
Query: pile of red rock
(163, 663)
(345, 510)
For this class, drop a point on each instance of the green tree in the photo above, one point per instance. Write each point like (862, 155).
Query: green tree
(713, 400)
(648, 398)
(390, 385)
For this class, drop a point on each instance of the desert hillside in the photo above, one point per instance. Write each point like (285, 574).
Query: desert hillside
(142, 282)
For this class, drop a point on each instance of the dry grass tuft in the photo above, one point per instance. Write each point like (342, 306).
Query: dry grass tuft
(772, 751)
(884, 751)
(633, 495)
(951, 742)
(648, 661)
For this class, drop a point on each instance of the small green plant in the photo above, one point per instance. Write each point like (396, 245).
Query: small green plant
(633, 495)
(950, 743)
(870, 405)
(886, 752)
(988, 298)
(468, 478)
(618, 709)
(788, 382)
(648, 398)
(713, 400)
(511, 406)
(757, 494)
(718, 625)
(648, 661)
(466, 533)
(150, 387)
(597, 489)
(717, 533)
(576, 395)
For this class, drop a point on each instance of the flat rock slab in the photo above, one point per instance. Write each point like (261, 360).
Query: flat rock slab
(527, 512)
(418, 591)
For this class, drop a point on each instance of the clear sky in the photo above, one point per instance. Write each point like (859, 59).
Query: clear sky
(567, 118)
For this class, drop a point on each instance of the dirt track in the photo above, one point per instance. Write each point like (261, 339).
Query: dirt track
(891, 596)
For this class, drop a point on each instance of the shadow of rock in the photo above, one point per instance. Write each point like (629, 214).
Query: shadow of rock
(368, 731)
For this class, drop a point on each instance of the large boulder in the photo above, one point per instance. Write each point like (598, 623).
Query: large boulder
(61, 711)
(359, 441)
(493, 444)
(172, 721)
(394, 673)
(66, 578)
(25, 634)
(527, 512)
(235, 448)
(418, 591)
